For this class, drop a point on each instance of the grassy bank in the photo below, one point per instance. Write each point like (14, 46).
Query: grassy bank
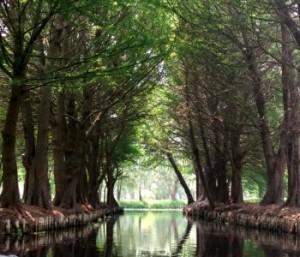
(152, 204)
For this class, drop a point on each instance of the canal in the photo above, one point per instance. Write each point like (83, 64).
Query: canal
(152, 233)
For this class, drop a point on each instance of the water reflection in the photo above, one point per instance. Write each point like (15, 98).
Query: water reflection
(153, 234)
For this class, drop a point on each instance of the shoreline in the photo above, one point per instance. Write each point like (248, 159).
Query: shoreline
(39, 220)
(272, 218)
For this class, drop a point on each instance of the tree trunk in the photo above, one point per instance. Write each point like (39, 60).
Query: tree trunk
(20, 50)
(38, 191)
(291, 103)
(10, 196)
(293, 199)
(58, 137)
(194, 146)
(237, 157)
(275, 163)
(95, 157)
(28, 128)
(140, 194)
(197, 159)
(200, 194)
(222, 194)
(93, 171)
(236, 182)
(76, 181)
(73, 181)
(181, 179)
(111, 181)
(119, 191)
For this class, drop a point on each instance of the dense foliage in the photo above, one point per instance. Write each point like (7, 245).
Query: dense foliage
(90, 89)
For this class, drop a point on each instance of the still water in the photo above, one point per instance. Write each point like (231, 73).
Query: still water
(161, 233)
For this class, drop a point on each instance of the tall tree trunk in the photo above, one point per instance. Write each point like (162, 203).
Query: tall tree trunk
(222, 194)
(200, 194)
(194, 146)
(181, 179)
(93, 169)
(10, 196)
(38, 191)
(28, 128)
(76, 181)
(38, 188)
(59, 44)
(275, 162)
(291, 118)
(236, 182)
(237, 157)
(196, 156)
(21, 47)
(73, 184)
(94, 150)
(58, 137)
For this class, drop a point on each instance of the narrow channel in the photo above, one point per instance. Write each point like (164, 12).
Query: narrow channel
(152, 233)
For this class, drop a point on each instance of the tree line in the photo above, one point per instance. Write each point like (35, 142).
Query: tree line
(235, 94)
(78, 78)
(74, 76)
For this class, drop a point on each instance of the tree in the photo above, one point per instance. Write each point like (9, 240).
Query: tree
(118, 67)
(20, 33)
(236, 38)
(181, 179)
(81, 60)
(290, 97)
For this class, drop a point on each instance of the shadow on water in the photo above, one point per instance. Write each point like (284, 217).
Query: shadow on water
(153, 234)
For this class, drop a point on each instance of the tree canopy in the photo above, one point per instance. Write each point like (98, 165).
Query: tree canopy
(90, 89)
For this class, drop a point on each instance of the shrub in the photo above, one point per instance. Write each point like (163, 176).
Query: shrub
(152, 204)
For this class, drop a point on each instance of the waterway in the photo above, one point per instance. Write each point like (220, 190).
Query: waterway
(152, 233)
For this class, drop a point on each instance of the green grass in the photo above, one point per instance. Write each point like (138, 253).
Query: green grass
(152, 204)
(252, 200)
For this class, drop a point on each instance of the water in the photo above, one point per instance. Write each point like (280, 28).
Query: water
(164, 233)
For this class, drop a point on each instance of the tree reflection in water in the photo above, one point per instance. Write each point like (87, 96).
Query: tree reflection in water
(66, 243)
(154, 235)
(183, 239)
(78, 246)
(237, 246)
(215, 240)
(272, 251)
(109, 244)
(210, 243)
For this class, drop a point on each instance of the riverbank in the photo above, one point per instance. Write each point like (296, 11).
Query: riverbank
(33, 219)
(272, 217)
